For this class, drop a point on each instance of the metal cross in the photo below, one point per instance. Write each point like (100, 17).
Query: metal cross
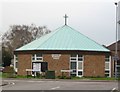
(65, 19)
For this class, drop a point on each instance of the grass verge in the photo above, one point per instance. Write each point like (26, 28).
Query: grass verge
(11, 75)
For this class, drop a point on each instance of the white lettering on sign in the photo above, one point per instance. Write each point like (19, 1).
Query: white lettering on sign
(56, 56)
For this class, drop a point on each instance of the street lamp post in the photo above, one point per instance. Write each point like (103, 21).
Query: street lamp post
(116, 54)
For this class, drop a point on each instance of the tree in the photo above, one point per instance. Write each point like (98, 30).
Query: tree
(6, 57)
(19, 35)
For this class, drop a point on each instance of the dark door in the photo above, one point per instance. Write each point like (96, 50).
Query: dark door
(44, 66)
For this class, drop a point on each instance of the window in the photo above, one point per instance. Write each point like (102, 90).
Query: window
(73, 55)
(73, 65)
(79, 65)
(107, 58)
(16, 61)
(107, 66)
(79, 72)
(73, 59)
(80, 57)
(107, 73)
(37, 57)
(76, 61)
(16, 64)
(16, 57)
(33, 57)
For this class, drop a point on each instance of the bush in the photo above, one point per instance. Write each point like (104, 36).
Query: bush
(9, 72)
(63, 77)
(50, 75)
(8, 69)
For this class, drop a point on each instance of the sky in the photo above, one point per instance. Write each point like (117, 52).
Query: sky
(93, 18)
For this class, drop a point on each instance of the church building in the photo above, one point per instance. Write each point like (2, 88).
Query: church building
(64, 50)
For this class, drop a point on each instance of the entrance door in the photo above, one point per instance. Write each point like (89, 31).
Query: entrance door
(76, 65)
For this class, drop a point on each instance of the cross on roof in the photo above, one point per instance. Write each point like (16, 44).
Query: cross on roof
(65, 19)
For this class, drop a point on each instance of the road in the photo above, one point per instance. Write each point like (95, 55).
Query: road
(31, 84)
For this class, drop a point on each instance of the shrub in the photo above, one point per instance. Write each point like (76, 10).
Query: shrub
(50, 75)
(8, 69)
(9, 72)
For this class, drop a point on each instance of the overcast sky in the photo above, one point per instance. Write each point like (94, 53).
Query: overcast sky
(93, 18)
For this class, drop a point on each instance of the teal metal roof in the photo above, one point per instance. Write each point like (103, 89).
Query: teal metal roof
(64, 38)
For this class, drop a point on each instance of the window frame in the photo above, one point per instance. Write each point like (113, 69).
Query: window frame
(36, 58)
(108, 61)
(76, 59)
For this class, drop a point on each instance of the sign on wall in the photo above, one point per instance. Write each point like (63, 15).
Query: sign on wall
(56, 56)
(36, 66)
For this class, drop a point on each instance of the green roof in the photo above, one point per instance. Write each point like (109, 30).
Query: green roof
(64, 38)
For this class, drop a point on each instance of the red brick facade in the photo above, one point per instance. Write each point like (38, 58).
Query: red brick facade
(57, 64)
(94, 65)
(24, 62)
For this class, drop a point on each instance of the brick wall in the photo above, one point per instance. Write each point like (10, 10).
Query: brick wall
(24, 62)
(57, 64)
(94, 65)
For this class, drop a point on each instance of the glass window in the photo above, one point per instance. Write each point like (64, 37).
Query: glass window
(16, 64)
(73, 65)
(73, 55)
(16, 57)
(79, 55)
(79, 72)
(76, 62)
(38, 55)
(107, 58)
(73, 75)
(73, 58)
(39, 58)
(106, 65)
(79, 65)
(80, 59)
(33, 57)
(107, 73)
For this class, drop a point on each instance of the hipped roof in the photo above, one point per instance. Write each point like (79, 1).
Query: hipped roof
(64, 38)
